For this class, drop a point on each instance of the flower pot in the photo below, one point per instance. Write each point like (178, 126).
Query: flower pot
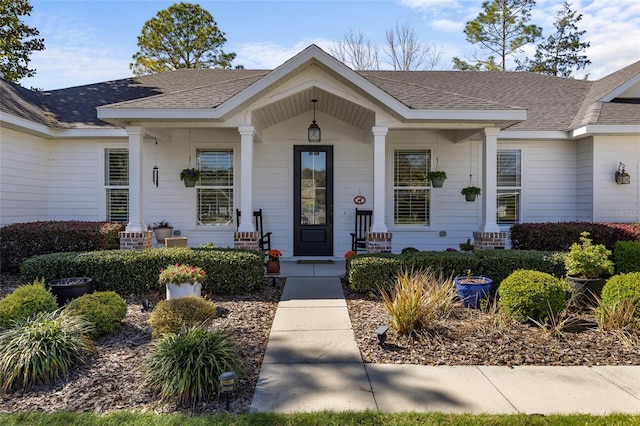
(162, 233)
(437, 182)
(176, 291)
(587, 289)
(273, 266)
(470, 197)
(188, 182)
(66, 289)
(472, 289)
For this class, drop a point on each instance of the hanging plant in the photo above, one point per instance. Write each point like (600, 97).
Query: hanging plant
(470, 192)
(436, 178)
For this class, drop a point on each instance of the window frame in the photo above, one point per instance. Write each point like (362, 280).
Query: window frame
(199, 186)
(102, 170)
(516, 188)
(429, 193)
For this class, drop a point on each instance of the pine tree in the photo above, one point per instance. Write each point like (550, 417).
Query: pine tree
(17, 40)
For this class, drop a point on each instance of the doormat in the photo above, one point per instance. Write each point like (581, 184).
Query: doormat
(315, 262)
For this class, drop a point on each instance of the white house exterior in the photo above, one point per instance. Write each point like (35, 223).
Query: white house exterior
(541, 148)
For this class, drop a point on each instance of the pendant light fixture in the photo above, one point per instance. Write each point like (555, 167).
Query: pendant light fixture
(314, 129)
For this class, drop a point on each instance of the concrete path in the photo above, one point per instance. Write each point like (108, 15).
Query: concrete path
(312, 363)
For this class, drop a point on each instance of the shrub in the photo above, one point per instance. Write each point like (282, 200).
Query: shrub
(24, 301)
(417, 298)
(42, 348)
(185, 366)
(626, 256)
(170, 315)
(587, 260)
(622, 287)
(104, 309)
(229, 271)
(21, 241)
(527, 294)
(559, 236)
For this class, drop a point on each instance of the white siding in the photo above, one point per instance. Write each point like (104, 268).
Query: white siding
(613, 202)
(24, 165)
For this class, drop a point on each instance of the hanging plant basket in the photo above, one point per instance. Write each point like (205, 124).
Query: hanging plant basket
(189, 183)
(470, 192)
(436, 178)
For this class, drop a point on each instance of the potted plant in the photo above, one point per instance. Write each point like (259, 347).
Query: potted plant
(472, 289)
(436, 178)
(190, 176)
(588, 265)
(466, 246)
(182, 280)
(273, 263)
(66, 289)
(470, 192)
(162, 230)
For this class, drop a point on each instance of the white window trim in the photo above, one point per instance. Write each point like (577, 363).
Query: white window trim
(193, 205)
(390, 192)
(102, 190)
(521, 219)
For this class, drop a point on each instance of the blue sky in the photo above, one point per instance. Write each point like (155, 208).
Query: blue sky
(89, 41)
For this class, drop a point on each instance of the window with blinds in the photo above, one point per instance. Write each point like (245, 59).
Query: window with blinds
(509, 181)
(215, 187)
(411, 195)
(116, 184)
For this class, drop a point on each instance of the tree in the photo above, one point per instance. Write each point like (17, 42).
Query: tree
(182, 36)
(407, 52)
(501, 28)
(562, 50)
(356, 52)
(17, 40)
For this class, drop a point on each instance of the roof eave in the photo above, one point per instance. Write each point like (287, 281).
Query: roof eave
(594, 129)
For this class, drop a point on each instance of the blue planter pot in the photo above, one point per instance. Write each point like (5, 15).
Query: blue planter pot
(472, 289)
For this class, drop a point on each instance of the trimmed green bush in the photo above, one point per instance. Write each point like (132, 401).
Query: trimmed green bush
(623, 287)
(229, 271)
(374, 272)
(42, 348)
(626, 256)
(21, 241)
(185, 367)
(170, 315)
(24, 301)
(526, 294)
(104, 309)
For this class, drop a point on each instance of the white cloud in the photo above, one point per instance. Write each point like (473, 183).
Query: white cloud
(271, 55)
(447, 25)
(429, 4)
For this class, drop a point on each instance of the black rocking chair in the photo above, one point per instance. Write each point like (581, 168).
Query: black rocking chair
(363, 225)
(264, 239)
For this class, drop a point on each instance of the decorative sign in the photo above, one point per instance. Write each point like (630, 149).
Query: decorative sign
(359, 199)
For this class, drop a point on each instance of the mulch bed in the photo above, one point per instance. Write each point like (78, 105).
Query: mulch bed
(110, 382)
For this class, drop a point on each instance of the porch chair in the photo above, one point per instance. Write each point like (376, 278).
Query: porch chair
(264, 238)
(363, 225)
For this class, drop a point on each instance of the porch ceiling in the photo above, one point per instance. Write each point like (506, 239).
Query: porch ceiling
(300, 102)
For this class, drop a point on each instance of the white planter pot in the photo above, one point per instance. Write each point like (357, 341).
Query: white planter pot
(175, 291)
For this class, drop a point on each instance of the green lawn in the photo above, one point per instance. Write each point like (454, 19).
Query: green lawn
(320, 419)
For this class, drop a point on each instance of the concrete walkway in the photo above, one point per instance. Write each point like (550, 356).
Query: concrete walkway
(312, 363)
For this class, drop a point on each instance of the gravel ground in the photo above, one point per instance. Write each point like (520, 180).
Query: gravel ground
(110, 382)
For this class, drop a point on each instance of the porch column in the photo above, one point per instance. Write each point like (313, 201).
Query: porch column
(489, 179)
(379, 178)
(246, 178)
(136, 207)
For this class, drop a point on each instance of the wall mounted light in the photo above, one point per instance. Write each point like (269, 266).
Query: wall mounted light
(313, 133)
(622, 177)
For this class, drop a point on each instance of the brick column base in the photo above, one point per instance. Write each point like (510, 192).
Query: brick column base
(245, 240)
(489, 240)
(135, 240)
(378, 242)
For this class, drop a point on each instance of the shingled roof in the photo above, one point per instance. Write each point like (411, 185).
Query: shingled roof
(552, 103)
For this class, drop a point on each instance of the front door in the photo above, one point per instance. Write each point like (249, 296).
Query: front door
(313, 201)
